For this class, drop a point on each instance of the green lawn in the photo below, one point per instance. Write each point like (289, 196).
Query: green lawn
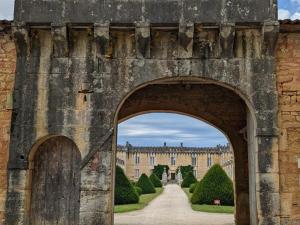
(144, 201)
(209, 208)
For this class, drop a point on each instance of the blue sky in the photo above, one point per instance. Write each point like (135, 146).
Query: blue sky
(157, 128)
(154, 129)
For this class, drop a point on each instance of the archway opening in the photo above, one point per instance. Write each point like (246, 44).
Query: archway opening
(219, 106)
(187, 148)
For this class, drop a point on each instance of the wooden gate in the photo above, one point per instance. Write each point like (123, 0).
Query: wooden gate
(55, 196)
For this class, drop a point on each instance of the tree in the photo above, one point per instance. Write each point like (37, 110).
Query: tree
(215, 185)
(145, 184)
(188, 180)
(192, 187)
(124, 190)
(159, 170)
(185, 170)
(155, 180)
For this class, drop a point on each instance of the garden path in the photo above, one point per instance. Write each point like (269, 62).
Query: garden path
(172, 208)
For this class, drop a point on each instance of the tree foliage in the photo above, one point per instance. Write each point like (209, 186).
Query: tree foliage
(192, 187)
(159, 170)
(124, 190)
(145, 184)
(155, 180)
(215, 185)
(188, 180)
(185, 170)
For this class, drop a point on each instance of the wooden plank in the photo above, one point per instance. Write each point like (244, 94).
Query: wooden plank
(56, 183)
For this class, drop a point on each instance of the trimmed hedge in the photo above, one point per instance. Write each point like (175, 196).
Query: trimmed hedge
(185, 170)
(124, 190)
(192, 187)
(159, 170)
(214, 185)
(145, 184)
(155, 180)
(188, 180)
(138, 190)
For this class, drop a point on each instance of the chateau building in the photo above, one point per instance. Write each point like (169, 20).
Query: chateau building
(136, 160)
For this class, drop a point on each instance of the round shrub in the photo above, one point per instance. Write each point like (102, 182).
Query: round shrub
(214, 185)
(145, 184)
(155, 180)
(124, 191)
(188, 180)
(138, 190)
(192, 187)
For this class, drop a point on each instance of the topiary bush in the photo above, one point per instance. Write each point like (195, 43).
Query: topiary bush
(185, 170)
(155, 180)
(138, 190)
(192, 187)
(124, 190)
(214, 185)
(159, 170)
(188, 180)
(145, 184)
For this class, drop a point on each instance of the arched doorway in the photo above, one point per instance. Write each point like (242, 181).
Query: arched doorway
(220, 107)
(55, 192)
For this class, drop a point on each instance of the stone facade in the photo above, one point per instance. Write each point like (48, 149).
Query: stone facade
(7, 77)
(288, 83)
(136, 160)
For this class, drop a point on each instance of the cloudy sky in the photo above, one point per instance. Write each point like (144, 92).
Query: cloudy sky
(157, 128)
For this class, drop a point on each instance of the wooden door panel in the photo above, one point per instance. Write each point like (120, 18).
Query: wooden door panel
(56, 183)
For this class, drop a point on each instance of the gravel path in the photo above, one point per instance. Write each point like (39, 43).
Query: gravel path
(172, 208)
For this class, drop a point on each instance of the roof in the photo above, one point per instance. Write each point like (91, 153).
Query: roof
(173, 149)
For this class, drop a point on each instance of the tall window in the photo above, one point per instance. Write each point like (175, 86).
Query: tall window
(209, 161)
(137, 159)
(152, 159)
(194, 160)
(173, 159)
(137, 173)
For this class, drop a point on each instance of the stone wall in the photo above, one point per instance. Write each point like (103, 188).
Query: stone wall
(7, 71)
(288, 79)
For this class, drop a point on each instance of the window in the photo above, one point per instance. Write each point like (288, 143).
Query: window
(152, 159)
(137, 159)
(209, 161)
(173, 159)
(137, 173)
(194, 160)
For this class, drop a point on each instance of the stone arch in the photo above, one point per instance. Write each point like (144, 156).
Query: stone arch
(54, 168)
(217, 104)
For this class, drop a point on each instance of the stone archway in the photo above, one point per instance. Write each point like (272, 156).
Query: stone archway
(219, 106)
(55, 185)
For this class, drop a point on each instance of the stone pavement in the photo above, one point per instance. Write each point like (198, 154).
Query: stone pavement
(172, 208)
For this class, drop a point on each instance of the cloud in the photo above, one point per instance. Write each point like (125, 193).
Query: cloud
(296, 16)
(156, 128)
(284, 14)
(6, 9)
(296, 1)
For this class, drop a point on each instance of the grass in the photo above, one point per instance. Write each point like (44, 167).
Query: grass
(209, 208)
(144, 201)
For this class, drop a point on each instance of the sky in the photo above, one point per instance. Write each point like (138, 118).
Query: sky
(156, 128)
(153, 129)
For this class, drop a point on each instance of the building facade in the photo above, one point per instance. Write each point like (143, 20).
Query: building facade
(136, 160)
(70, 71)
